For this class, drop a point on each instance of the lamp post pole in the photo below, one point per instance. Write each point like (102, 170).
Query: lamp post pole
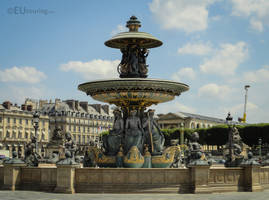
(181, 134)
(229, 119)
(36, 125)
(260, 147)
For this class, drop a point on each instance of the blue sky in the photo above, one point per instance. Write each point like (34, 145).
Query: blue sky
(216, 47)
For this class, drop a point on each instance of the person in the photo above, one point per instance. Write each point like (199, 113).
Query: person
(133, 132)
(153, 134)
(113, 140)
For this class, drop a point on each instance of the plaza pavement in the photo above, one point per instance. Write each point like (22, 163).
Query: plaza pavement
(30, 195)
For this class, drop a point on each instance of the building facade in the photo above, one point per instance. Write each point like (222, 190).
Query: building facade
(16, 127)
(174, 120)
(84, 121)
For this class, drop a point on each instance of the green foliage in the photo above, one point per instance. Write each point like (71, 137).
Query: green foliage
(218, 135)
(105, 133)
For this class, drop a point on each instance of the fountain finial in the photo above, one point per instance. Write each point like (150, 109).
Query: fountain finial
(133, 24)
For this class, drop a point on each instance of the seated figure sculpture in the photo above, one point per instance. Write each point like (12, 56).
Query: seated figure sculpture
(196, 152)
(153, 135)
(113, 140)
(133, 132)
(31, 156)
(70, 145)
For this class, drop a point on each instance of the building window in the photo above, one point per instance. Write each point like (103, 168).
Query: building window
(14, 134)
(14, 120)
(26, 135)
(0, 119)
(74, 138)
(74, 128)
(79, 139)
(8, 120)
(192, 125)
(88, 129)
(78, 128)
(69, 127)
(198, 126)
(26, 121)
(43, 136)
(88, 138)
(19, 135)
(20, 121)
(83, 139)
(84, 129)
(43, 123)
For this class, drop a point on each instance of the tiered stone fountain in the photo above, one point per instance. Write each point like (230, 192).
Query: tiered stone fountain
(135, 140)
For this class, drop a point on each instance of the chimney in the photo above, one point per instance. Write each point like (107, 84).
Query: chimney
(71, 104)
(29, 108)
(76, 105)
(7, 104)
(57, 102)
(23, 107)
(97, 107)
(84, 105)
(106, 108)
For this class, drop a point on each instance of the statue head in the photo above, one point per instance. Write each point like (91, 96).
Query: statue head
(151, 112)
(250, 155)
(68, 136)
(14, 154)
(68, 154)
(117, 112)
(195, 136)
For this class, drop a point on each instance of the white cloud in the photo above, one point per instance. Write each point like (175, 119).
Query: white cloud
(216, 18)
(184, 73)
(256, 10)
(226, 60)
(186, 15)
(173, 106)
(256, 25)
(120, 28)
(22, 74)
(260, 75)
(95, 69)
(196, 49)
(238, 109)
(18, 94)
(214, 91)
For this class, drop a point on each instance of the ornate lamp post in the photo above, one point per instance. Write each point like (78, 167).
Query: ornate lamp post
(260, 147)
(229, 119)
(36, 125)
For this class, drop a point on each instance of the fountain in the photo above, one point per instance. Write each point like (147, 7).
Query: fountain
(135, 134)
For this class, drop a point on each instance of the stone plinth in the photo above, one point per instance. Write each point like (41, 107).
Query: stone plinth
(252, 178)
(66, 179)
(12, 176)
(199, 176)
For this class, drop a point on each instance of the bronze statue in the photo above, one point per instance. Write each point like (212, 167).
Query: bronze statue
(153, 135)
(234, 147)
(195, 152)
(70, 145)
(133, 132)
(113, 141)
(57, 134)
(31, 156)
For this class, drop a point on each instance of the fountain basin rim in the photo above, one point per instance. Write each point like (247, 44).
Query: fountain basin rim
(121, 40)
(183, 86)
